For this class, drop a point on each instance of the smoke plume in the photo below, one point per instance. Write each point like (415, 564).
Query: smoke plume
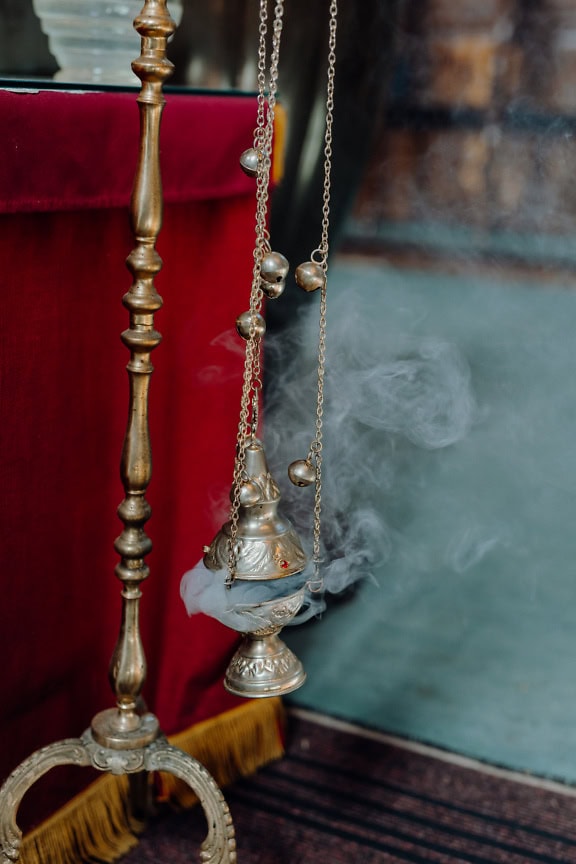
(389, 393)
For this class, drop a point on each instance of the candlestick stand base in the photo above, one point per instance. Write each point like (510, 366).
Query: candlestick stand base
(219, 846)
(123, 740)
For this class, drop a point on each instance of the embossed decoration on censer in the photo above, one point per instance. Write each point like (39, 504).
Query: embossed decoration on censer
(266, 547)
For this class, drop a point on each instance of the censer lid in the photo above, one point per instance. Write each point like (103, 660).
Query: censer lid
(267, 545)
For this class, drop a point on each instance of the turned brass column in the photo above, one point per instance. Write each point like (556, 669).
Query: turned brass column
(117, 726)
(124, 740)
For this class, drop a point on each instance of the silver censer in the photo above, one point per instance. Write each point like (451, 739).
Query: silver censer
(267, 548)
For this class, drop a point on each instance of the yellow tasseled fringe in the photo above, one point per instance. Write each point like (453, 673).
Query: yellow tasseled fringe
(279, 151)
(234, 744)
(96, 826)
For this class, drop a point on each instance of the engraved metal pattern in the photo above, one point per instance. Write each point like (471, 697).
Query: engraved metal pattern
(258, 559)
(219, 847)
(266, 486)
(266, 546)
(263, 666)
(282, 610)
(256, 667)
(71, 751)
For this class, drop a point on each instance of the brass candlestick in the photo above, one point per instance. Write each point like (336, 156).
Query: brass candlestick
(125, 740)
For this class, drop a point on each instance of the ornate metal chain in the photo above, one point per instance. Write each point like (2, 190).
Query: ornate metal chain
(320, 256)
(252, 380)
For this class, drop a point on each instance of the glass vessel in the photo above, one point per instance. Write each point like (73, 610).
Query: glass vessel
(94, 41)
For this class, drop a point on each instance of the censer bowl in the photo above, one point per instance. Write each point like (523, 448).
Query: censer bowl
(263, 665)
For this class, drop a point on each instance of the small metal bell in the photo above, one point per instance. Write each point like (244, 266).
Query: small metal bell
(302, 472)
(244, 324)
(249, 494)
(268, 547)
(273, 271)
(310, 276)
(272, 290)
(249, 161)
(274, 267)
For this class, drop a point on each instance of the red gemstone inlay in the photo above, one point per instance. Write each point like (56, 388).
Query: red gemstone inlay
(284, 564)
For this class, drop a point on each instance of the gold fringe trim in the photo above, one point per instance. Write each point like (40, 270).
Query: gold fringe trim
(96, 826)
(232, 745)
(279, 150)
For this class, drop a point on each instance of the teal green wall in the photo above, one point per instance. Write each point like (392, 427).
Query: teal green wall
(465, 637)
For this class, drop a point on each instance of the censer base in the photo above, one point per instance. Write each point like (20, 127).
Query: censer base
(263, 666)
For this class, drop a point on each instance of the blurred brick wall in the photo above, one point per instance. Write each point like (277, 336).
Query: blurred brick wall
(484, 114)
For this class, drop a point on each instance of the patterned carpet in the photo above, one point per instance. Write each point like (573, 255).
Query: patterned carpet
(342, 797)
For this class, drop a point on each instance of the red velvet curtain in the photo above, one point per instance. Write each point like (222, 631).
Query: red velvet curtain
(66, 171)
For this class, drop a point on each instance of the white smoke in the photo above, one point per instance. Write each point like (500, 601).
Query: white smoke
(387, 392)
(239, 607)
(388, 395)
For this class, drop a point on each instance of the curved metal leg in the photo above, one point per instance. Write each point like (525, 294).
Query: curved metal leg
(70, 751)
(219, 847)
